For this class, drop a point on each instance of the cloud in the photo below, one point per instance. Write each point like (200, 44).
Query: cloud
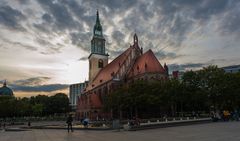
(32, 81)
(73, 6)
(83, 58)
(230, 21)
(7, 43)
(82, 40)
(166, 22)
(47, 18)
(165, 26)
(50, 48)
(10, 17)
(118, 37)
(184, 67)
(167, 55)
(36, 84)
(118, 5)
(201, 10)
(41, 88)
(60, 15)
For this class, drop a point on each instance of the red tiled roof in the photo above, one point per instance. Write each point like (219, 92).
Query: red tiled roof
(105, 73)
(146, 63)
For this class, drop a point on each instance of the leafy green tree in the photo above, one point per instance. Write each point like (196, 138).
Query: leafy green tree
(59, 103)
(37, 109)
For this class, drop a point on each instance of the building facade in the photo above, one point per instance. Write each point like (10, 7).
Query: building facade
(104, 77)
(232, 69)
(75, 91)
(177, 75)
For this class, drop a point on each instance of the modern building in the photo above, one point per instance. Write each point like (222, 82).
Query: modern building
(232, 69)
(75, 91)
(5, 91)
(132, 65)
(177, 75)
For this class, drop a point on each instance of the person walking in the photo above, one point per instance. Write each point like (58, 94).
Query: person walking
(69, 122)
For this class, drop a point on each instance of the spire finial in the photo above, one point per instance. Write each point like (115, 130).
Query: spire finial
(135, 39)
(97, 20)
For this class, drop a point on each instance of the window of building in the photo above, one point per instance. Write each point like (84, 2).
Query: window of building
(100, 63)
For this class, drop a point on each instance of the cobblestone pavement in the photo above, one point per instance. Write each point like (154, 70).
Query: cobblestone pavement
(221, 131)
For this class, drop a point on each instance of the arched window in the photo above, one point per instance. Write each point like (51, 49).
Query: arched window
(100, 63)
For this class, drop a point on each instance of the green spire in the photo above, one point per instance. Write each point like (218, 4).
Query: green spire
(97, 20)
(97, 27)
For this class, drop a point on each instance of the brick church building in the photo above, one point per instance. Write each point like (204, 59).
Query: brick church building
(105, 77)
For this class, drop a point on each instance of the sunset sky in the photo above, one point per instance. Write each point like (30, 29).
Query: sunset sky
(44, 44)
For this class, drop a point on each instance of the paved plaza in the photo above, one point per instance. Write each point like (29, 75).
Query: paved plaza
(221, 131)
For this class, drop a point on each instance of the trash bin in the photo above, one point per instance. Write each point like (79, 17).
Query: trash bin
(116, 124)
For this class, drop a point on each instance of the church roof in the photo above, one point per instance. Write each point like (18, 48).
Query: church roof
(105, 74)
(146, 63)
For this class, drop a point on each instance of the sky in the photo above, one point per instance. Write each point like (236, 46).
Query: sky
(44, 44)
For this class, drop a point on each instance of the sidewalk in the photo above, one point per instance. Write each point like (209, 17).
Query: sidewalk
(215, 131)
(147, 125)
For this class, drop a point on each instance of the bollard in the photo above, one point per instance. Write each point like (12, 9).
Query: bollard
(104, 125)
(126, 127)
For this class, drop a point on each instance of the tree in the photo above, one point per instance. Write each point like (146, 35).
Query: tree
(37, 109)
(59, 103)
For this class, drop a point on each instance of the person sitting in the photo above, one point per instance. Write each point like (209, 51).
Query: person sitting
(85, 122)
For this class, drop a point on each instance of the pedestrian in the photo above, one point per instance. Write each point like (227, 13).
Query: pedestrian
(29, 123)
(69, 122)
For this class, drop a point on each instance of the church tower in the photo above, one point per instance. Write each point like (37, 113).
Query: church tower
(98, 58)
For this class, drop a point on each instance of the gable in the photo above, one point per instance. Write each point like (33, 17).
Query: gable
(146, 63)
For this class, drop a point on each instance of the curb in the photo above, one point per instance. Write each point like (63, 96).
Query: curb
(65, 128)
(14, 130)
(170, 124)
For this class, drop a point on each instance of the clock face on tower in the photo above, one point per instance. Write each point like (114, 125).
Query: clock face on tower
(97, 32)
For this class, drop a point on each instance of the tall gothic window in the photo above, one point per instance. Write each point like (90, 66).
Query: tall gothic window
(100, 63)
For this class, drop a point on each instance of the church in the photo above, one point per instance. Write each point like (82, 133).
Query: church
(132, 65)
